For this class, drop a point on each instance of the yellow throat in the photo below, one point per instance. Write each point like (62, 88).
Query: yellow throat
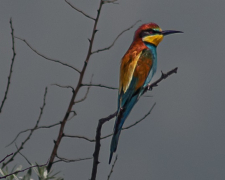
(153, 39)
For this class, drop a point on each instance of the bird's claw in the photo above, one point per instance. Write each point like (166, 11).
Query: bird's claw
(149, 88)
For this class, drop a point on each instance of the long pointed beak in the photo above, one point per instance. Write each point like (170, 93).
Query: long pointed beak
(167, 32)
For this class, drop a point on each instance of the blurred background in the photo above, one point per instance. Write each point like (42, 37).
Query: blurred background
(183, 137)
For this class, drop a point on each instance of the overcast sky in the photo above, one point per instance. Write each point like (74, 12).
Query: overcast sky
(183, 138)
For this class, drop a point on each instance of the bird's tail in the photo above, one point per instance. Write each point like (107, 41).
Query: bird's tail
(120, 119)
(114, 144)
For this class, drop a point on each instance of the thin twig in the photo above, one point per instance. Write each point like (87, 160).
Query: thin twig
(99, 85)
(49, 126)
(79, 10)
(110, 1)
(11, 66)
(18, 136)
(63, 86)
(6, 157)
(137, 122)
(74, 114)
(107, 48)
(31, 131)
(40, 127)
(45, 57)
(79, 137)
(98, 145)
(85, 96)
(163, 76)
(70, 160)
(134, 124)
(3, 177)
(23, 156)
(112, 167)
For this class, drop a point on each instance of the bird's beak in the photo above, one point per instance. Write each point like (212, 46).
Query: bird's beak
(167, 32)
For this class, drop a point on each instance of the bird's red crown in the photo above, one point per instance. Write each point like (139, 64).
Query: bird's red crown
(146, 27)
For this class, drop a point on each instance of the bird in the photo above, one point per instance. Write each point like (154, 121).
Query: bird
(137, 68)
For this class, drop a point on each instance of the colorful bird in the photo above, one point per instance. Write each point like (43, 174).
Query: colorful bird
(138, 66)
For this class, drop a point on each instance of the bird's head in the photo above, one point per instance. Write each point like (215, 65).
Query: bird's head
(152, 33)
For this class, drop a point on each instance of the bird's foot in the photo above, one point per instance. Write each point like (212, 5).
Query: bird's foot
(149, 88)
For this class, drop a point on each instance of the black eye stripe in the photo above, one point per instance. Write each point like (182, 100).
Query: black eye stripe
(149, 32)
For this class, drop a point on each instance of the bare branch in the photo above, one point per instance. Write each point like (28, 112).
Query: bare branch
(31, 131)
(18, 136)
(99, 85)
(79, 10)
(6, 157)
(74, 114)
(112, 167)
(3, 177)
(11, 66)
(107, 48)
(47, 58)
(63, 86)
(163, 76)
(85, 96)
(23, 156)
(98, 139)
(98, 145)
(137, 122)
(40, 127)
(79, 137)
(49, 126)
(70, 160)
(110, 1)
(61, 130)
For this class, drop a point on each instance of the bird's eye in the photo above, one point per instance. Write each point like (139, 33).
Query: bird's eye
(146, 33)
(150, 32)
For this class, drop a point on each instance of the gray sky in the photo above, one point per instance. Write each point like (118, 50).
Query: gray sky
(182, 139)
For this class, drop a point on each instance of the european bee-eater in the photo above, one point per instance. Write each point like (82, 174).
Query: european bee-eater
(138, 66)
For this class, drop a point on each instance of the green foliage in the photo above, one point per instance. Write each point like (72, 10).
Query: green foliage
(40, 171)
(5, 172)
(44, 175)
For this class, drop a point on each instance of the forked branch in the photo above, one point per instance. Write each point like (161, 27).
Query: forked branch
(98, 145)
(86, 94)
(78, 10)
(30, 134)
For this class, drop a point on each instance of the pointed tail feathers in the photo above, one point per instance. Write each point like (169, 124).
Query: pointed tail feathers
(114, 144)
(121, 117)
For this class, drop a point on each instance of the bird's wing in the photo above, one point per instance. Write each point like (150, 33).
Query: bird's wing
(133, 74)
(127, 68)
